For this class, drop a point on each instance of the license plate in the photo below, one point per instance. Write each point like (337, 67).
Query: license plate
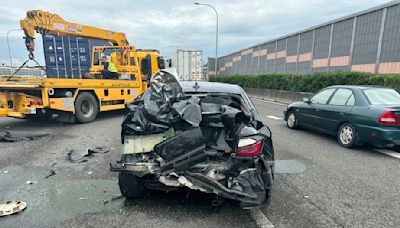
(31, 110)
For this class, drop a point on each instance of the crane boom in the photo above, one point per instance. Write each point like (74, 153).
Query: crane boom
(48, 23)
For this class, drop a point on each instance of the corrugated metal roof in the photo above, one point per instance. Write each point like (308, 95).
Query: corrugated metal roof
(379, 7)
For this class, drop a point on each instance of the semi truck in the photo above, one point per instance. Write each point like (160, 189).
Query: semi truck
(74, 88)
(188, 64)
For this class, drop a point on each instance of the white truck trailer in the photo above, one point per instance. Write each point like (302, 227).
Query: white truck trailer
(188, 64)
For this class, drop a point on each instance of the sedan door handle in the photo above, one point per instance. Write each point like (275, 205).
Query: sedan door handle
(317, 110)
(342, 113)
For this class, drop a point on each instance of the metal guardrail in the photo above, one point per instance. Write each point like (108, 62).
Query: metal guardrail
(277, 95)
(24, 72)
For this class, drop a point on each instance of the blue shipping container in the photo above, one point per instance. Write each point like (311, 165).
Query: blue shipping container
(68, 56)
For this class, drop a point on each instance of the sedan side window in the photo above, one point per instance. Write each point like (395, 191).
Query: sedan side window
(351, 101)
(322, 97)
(342, 97)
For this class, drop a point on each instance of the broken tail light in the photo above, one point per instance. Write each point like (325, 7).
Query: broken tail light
(388, 118)
(249, 147)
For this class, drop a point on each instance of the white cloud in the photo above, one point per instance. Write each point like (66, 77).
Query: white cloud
(167, 25)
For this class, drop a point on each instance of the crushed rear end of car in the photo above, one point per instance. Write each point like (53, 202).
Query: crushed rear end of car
(207, 142)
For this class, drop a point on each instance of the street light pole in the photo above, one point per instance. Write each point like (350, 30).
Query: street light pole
(9, 49)
(216, 35)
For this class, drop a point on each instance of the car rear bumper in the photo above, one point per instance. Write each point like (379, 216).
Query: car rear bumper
(379, 136)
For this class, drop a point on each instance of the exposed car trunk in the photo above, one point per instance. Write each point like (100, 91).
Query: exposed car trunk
(208, 142)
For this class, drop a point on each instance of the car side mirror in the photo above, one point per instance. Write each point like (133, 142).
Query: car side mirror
(306, 100)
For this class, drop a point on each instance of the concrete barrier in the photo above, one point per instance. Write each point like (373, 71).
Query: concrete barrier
(281, 96)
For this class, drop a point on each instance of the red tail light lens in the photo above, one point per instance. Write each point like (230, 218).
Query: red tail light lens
(388, 118)
(33, 102)
(250, 150)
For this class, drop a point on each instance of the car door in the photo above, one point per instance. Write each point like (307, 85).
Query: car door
(337, 111)
(309, 113)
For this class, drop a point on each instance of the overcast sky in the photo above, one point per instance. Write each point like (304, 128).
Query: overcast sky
(168, 25)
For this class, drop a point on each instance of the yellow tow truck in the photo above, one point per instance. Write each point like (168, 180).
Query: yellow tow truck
(78, 99)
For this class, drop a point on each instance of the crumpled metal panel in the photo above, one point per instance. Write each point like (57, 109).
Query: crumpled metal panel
(203, 149)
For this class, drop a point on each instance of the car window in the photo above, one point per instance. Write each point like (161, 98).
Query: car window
(382, 96)
(351, 101)
(341, 97)
(322, 97)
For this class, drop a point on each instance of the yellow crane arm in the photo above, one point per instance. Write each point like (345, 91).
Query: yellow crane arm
(48, 23)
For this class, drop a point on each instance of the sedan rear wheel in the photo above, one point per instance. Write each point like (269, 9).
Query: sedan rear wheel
(291, 120)
(347, 135)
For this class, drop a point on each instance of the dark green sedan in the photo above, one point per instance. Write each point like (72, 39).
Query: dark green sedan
(354, 114)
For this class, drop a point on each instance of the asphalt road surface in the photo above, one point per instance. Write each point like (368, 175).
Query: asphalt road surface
(318, 183)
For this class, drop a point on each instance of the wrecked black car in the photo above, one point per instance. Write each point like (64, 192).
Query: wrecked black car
(200, 135)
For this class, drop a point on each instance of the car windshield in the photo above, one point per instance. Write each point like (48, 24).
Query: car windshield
(382, 96)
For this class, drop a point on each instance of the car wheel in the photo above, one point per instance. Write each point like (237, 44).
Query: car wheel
(86, 108)
(130, 186)
(267, 174)
(347, 135)
(291, 121)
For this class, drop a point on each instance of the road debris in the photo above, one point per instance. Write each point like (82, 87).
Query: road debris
(90, 173)
(116, 197)
(99, 150)
(5, 171)
(11, 207)
(31, 182)
(78, 155)
(51, 173)
(13, 137)
(83, 154)
(193, 141)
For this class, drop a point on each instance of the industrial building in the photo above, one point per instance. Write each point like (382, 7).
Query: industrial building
(367, 41)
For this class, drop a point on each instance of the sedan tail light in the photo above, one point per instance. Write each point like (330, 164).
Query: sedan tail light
(249, 147)
(388, 118)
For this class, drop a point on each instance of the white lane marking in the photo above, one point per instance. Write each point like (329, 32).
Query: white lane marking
(260, 218)
(267, 101)
(389, 152)
(274, 117)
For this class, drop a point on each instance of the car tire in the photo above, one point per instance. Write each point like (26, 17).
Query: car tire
(130, 186)
(291, 121)
(86, 107)
(347, 135)
(268, 177)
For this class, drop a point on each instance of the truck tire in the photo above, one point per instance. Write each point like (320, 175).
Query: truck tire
(86, 107)
(130, 186)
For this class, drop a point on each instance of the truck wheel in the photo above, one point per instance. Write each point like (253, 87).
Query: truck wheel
(86, 108)
(130, 186)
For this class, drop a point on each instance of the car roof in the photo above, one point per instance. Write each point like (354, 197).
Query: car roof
(359, 87)
(210, 87)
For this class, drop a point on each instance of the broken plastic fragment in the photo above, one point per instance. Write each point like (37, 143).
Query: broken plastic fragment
(78, 155)
(51, 173)
(145, 143)
(12, 137)
(11, 207)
